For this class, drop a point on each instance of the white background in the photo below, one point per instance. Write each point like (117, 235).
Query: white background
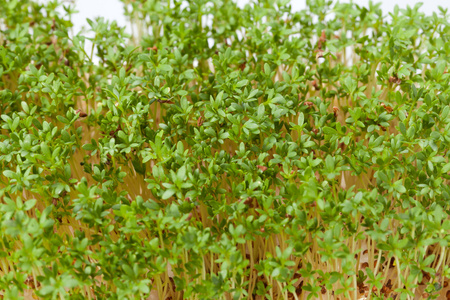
(112, 9)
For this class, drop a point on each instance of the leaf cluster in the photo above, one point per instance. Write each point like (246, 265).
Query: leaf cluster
(224, 152)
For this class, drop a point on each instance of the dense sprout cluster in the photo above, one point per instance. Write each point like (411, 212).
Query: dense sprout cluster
(221, 152)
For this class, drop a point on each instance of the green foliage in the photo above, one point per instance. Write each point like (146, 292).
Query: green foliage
(222, 152)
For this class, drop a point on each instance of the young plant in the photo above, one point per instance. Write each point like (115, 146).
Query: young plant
(221, 152)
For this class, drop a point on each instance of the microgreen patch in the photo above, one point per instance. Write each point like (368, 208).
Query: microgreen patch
(222, 152)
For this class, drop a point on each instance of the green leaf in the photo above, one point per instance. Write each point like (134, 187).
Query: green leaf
(399, 186)
(329, 131)
(89, 147)
(9, 173)
(30, 204)
(167, 194)
(63, 119)
(242, 83)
